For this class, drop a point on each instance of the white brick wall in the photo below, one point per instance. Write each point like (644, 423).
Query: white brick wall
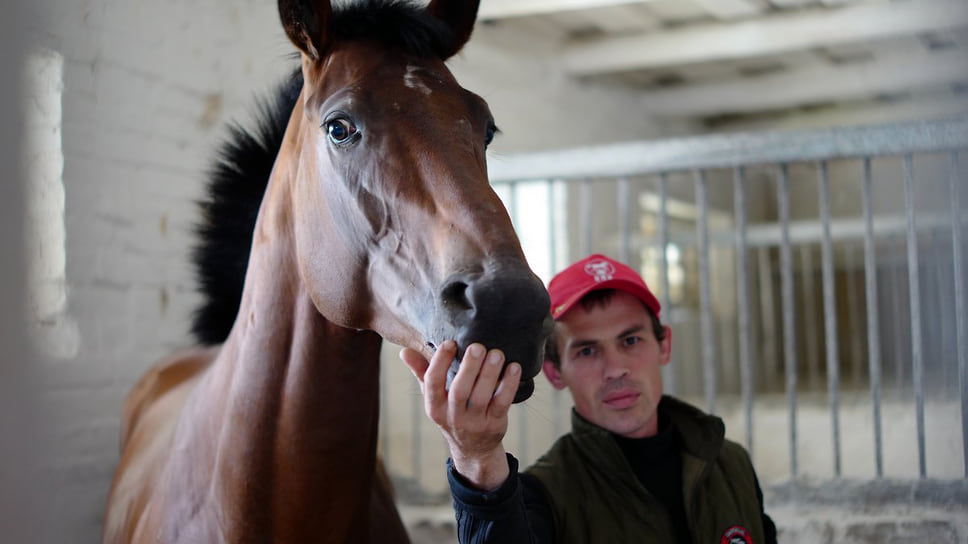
(147, 86)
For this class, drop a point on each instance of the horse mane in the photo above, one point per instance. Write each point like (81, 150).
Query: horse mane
(236, 184)
(238, 178)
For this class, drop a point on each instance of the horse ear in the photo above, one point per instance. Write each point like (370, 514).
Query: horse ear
(459, 15)
(307, 24)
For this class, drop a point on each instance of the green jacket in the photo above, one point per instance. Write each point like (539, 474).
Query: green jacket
(596, 498)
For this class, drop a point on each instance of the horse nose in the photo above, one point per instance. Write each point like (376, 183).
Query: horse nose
(503, 309)
(454, 297)
(498, 304)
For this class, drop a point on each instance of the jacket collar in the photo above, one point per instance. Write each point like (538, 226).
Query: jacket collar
(701, 434)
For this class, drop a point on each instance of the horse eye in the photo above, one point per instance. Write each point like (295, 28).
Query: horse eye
(489, 136)
(340, 130)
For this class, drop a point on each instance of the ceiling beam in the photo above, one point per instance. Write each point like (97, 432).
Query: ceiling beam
(731, 9)
(503, 9)
(852, 113)
(815, 85)
(764, 36)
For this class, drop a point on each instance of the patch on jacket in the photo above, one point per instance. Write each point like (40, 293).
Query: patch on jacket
(736, 535)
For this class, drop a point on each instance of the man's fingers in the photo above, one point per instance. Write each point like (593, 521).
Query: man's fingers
(477, 391)
(504, 396)
(463, 384)
(486, 382)
(435, 378)
(415, 362)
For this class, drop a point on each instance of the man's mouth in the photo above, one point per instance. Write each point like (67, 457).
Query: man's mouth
(622, 399)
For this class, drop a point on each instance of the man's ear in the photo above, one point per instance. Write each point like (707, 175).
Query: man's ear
(665, 347)
(553, 374)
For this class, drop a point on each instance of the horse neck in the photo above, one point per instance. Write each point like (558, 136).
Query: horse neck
(299, 415)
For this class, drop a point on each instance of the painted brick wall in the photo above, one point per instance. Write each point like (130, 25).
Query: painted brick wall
(147, 86)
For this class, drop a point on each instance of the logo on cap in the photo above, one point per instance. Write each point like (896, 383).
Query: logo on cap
(600, 270)
(736, 535)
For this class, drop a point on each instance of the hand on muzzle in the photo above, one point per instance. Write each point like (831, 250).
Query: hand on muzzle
(472, 412)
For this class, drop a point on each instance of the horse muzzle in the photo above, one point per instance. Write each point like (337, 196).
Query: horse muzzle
(506, 310)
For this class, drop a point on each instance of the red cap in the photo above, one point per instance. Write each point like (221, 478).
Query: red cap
(594, 273)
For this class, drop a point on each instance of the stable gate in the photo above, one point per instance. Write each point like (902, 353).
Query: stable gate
(814, 282)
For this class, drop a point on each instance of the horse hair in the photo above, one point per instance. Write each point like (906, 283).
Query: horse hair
(394, 23)
(237, 183)
(238, 178)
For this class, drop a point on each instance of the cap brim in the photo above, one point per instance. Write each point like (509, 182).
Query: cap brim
(620, 284)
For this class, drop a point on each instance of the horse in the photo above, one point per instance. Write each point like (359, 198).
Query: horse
(375, 221)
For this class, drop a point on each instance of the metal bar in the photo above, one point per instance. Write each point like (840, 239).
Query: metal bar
(810, 336)
(731, 150)
(705, 298)
(897, 324)
(623, 219)
(830, 315)
(556, 417)
(669, 371)
(873, 331)
(809, 231)
(853, 319)
(789, 307)
(586, 217)
(942, 320)
(742, 294)
(914, 292)
(841, 230)
(960, 318)
(768, 332)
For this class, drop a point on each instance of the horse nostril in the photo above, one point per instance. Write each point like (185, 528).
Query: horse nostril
(454, 296)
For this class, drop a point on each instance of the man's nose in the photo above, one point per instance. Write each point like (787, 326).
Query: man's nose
(614, 364)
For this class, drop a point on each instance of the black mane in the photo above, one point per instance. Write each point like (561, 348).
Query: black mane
(237, 182)
(238, 179)
(394, 23)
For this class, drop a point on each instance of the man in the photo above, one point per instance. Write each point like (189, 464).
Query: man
(637, 466)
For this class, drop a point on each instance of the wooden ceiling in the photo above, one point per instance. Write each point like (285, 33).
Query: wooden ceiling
(729, 59)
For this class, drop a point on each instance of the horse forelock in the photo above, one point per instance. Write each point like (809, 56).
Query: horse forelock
(398, 24)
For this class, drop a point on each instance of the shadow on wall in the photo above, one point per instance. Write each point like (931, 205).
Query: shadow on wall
(20, 491)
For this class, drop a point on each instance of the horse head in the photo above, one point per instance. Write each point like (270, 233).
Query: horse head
(396, 227)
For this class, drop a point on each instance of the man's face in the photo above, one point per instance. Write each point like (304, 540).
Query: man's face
(610, 361)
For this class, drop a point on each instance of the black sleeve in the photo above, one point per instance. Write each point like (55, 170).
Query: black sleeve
(769, 528)
(517, 512)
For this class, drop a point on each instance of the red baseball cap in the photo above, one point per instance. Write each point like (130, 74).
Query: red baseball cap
(594, 273)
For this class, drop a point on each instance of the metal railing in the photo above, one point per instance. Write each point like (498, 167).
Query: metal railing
(727, 219)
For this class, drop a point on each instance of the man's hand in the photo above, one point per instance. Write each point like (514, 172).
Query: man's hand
(473, 415)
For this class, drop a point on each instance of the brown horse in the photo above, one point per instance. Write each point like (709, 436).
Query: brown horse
(377, 221)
